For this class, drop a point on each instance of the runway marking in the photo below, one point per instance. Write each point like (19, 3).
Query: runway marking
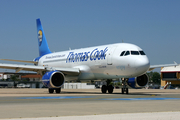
(142, 99)
(56, 97)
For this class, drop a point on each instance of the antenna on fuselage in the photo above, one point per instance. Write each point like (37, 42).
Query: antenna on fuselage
(122, 41)
(69, 48)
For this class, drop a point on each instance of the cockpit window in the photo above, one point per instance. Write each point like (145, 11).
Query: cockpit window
(127, 53)
(134, 53)
(122, 53)
(142, 53)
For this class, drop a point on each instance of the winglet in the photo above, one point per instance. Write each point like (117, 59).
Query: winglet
(43, 46)
(175, 64)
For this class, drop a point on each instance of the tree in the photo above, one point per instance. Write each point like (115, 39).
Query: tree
(150, 74)
(14, 78)
(154, 77)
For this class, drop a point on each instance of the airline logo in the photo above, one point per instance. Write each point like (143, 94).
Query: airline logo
(85, 56)
(40, 37)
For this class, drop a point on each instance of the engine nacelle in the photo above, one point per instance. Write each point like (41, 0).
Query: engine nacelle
(53, 79)
(138, 82)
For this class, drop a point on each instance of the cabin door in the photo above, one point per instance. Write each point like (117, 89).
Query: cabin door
(109, 55)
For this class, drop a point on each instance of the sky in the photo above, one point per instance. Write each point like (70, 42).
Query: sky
(153, 25)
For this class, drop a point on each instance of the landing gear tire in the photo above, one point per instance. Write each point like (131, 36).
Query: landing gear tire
(104, 89)
(125, 90)
(110, 89)
(58, 90)
(51, 90)
(122, 90)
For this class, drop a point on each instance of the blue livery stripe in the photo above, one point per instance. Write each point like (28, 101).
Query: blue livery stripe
(55, 97)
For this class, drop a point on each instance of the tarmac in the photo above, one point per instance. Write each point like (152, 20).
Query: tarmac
(73, 104)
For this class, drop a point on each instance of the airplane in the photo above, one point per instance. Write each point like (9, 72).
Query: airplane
(106, 63)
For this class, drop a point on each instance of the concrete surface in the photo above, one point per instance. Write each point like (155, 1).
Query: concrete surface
(127, 116)
(89, 104)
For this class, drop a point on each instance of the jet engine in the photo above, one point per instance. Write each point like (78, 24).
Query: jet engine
(138, 82)
(53, 79)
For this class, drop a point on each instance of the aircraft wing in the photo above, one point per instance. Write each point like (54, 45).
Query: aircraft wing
(152, 67)
(20, 61)
(40, 69)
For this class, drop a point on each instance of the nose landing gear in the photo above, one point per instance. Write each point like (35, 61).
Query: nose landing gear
(125, 87)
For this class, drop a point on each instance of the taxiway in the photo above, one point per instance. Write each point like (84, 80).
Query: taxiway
(38, 103)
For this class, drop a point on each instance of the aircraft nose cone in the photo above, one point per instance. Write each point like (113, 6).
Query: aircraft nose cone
(142, 65)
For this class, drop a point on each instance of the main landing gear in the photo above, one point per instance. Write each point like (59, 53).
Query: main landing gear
(58, 90)
(110, 88)
(107, 87)
(124, 86)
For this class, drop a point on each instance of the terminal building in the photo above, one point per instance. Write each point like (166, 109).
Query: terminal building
(31, 79)
(170, 75)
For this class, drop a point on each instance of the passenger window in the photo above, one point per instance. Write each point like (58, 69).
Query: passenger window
(142, 53)
(122, 53)
(127, 53)
(134, 53)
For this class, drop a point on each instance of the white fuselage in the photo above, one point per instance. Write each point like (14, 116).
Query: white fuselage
(101, 62)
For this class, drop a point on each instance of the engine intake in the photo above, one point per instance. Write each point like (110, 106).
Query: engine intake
(138, 82)
(53, 79)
